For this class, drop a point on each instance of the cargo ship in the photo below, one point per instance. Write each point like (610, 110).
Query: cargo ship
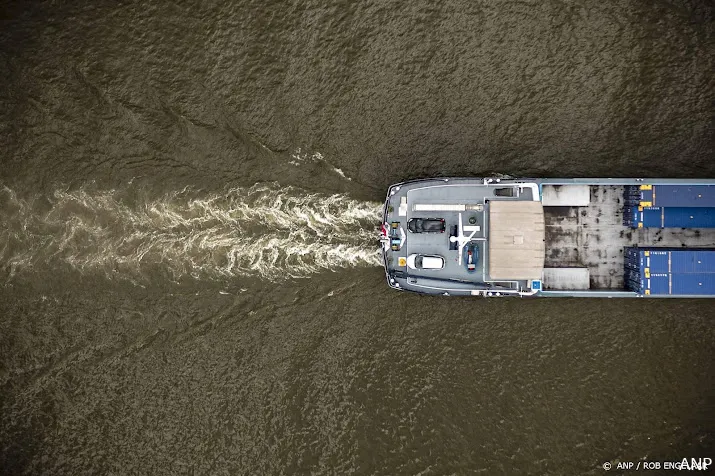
(498, 237)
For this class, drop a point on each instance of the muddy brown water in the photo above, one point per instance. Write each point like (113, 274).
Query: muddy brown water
(188, 265)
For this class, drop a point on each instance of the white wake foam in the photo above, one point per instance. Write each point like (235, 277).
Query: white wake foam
(266, 230)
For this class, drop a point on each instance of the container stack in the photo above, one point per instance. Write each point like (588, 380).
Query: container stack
(669, 206)
(670, 271)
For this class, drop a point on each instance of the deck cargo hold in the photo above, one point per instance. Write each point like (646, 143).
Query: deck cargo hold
(669, 217)
(664, 271)
(670, 195)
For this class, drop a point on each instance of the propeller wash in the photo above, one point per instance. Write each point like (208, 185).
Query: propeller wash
(266, 230)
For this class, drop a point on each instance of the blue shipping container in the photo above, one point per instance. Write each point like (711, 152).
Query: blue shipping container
(677, 195)
(657, 261)
(693, 284)
(700, 284)
(658, 285)
(676, 217)
(693, 262)
(671, 217)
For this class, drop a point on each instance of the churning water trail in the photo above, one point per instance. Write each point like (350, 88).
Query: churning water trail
(266, 230)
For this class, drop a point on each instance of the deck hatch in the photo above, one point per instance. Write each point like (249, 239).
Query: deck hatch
(516, 239)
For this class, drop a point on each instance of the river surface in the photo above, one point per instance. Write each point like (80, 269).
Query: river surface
(189, 197)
